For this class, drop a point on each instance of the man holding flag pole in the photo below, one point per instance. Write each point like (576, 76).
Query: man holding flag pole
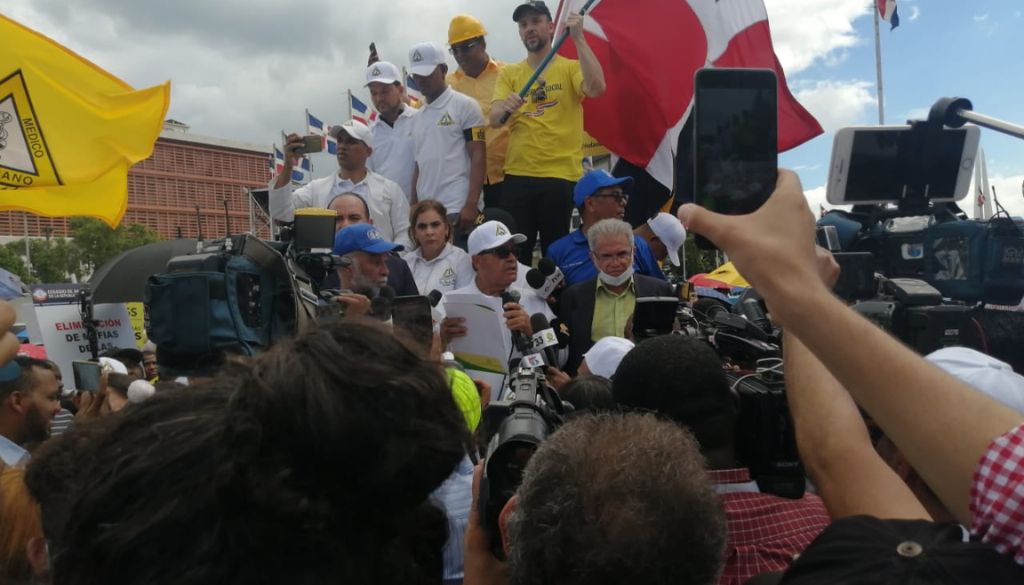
(542, 97)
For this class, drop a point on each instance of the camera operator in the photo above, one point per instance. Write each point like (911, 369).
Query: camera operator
(608, 498)
(367, 273)
(599, 307)
(682, 379)
(493, 250)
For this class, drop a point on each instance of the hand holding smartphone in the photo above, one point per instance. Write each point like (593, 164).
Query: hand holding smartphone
(87, 375)
(735, 140)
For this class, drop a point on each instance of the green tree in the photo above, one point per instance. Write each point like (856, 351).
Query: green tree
(11, 260)
(55, 260)
(697, 260)
(97, 243)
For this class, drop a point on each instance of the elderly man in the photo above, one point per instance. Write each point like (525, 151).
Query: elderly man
(600, 307)
(389, 207)
(366, 272)
(393, 155)
(599, 196)
(448, 136)
(545, 151)
(476, 77)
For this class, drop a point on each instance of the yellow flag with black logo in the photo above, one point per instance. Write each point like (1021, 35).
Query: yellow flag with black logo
(68, 129)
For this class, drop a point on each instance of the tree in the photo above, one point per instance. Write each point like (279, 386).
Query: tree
(97, 243)
(55, 260)
(11, 260)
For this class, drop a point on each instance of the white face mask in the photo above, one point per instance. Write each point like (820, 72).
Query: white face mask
(616, 280)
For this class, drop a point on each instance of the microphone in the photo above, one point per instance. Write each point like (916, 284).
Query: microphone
(380, 305)
(434, 297)
(544, 338)
(546, 278)
(561, 332)
(520, 340)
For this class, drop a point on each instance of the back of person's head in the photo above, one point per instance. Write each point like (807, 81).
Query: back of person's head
(19, 525)
(680, 378)
(313, 464)
(616, 498)
(589, 393)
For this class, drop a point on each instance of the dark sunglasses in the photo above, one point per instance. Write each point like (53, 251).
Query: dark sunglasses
(502, 252)
(464, 47)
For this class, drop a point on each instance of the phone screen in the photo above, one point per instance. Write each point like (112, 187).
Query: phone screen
(735, 139)
(412, 315)
(879, 160)
(654, 316)
(87, 375)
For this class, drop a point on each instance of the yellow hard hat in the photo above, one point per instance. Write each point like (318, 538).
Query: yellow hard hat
(464, 27)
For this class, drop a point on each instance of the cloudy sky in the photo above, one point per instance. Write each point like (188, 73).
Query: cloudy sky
(247, 69)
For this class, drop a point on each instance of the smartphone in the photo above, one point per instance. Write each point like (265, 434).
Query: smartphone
(870, 163)
(735, 140)
(310, 144)
(87, 375)
(412, 314)
(654, 316)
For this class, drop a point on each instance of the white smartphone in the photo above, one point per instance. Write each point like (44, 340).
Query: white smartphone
(870, 164)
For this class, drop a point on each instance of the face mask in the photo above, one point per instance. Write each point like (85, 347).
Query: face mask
(616, 280)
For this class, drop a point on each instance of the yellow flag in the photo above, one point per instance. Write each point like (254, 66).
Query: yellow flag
(68, 129)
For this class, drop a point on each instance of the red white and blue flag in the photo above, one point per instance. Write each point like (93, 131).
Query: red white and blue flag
(316, 127)
(277, 161)
(887, 10)
(302, 172)
(649, 53)
(361, 111)
(413, 90)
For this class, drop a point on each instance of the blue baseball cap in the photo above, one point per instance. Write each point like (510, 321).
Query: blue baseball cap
(362, 237)
(592, 182)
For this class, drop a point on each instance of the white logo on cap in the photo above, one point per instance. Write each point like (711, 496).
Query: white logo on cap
(373, 234)
(500, 231)
(376, 71)
(416, 57)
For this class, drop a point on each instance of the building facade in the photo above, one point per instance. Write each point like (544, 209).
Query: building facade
(186, 171)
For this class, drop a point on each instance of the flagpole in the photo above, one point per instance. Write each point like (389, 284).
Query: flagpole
(349, 91)
(307, 122)
(878, 67)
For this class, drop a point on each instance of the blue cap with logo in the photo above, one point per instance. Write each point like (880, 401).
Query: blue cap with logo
(362, 237)
(594, 181)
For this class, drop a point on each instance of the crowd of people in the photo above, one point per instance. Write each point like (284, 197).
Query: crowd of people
(352, 452)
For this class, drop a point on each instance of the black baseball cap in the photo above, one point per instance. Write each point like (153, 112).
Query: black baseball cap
(865, 550)
(534, 5)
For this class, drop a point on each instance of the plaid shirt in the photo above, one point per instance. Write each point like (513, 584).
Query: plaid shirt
(997, 495)
(766, 532)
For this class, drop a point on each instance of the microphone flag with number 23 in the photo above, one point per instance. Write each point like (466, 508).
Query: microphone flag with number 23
(68, 129)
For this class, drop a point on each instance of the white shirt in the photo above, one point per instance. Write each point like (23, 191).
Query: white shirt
(389, 208)
(451, 270)
(11, 453)
(438, 132)
(393, 155)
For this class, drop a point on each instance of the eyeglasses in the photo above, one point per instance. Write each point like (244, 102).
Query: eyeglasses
(464, 47)
(619, 197)
(541, 93)
(502, 253)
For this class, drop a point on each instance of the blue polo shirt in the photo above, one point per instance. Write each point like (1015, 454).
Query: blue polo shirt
(572, 255)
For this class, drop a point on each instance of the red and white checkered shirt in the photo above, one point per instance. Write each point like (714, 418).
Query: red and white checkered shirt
(997, 495)
(766, 532)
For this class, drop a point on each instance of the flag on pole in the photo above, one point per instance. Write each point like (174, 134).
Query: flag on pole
(69, 130)
(316, 127)
(649, 56)
(302, 172)
(361, 111)
(412, 91)
(277, 161)
(887, 10)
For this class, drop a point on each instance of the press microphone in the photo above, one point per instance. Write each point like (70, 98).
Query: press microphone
(520, 340)
(544, 338)
(561, 332)
(546, 278)
(434, 297)
(380, 305)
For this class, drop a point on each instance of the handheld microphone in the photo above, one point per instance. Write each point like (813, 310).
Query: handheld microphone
(434, 297)
(544, 338)
(520, 340)
(380, 305)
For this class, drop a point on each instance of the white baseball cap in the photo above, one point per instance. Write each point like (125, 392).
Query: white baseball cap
(355, 129)
(671, 232)
(490, 235)
(383, 72)
(605, 356)
(994, 378)
(113, 366)
(425, 57)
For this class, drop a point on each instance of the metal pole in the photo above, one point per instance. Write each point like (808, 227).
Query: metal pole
(349, 92)
(991, 123)
(878, 68)
(28, 246)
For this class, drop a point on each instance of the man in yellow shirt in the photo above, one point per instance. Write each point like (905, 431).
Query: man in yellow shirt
(545, 154)
(476, 77)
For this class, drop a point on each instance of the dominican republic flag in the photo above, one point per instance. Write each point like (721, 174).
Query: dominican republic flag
(303, 171)
(316, 127)
(361, 111)
(277, 162)
(412, 91)
(887, 10)
(649, 52)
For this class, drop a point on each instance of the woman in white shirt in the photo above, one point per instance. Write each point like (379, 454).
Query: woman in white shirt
(435, 263)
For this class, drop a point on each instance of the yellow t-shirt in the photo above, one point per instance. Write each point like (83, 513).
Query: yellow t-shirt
(482, 90)
(545, 135)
